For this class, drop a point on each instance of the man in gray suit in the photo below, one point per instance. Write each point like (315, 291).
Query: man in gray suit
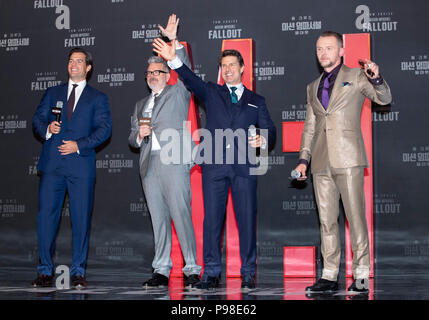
(332, 139)
(166, 176)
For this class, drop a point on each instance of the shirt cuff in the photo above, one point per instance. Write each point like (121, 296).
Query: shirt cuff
(303, 161)
(48, 134)
(175, 63)
(138, 141)
(377, 81)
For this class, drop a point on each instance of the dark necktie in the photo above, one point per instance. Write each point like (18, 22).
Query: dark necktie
(234, 98)
(325, 92)
(70, 102)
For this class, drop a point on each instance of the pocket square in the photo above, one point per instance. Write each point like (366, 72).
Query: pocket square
(252, 105)
(346, 83)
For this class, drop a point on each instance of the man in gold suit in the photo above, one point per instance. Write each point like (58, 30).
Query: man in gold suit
(332, 140)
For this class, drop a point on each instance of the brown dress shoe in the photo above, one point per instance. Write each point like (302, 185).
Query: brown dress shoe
(79, 282)
(42, 280)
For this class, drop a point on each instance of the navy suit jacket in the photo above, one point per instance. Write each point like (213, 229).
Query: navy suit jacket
(90, 125)
(222, 114)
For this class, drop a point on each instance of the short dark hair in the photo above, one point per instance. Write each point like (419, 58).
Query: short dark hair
(334, 34)
(88, 59)
(235, 53)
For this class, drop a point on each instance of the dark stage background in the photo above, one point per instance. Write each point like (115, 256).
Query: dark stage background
(35, 40)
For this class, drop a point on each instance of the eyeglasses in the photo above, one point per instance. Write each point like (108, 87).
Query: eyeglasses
(154, 72)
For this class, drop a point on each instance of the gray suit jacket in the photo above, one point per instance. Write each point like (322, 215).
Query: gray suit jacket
(168, 116)
(334, 135)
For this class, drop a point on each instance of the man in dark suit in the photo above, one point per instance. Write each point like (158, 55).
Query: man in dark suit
(332, 141)
(67, 162)
(166, 184)
(231, 109)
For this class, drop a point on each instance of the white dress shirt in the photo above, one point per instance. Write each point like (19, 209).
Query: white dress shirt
(149, 108)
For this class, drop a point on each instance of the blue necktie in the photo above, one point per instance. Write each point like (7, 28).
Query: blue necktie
(234, 97)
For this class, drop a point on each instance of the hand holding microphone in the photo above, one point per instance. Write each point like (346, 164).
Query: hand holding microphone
(55, 126)
(255, 139)
(145, 129)
(299, 173)
(370, 68)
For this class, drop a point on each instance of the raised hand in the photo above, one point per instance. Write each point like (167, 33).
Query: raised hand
(166, 51)
(370, 65)
(170, 30)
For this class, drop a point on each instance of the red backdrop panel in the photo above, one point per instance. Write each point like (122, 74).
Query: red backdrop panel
(357, 46)
(197, 203)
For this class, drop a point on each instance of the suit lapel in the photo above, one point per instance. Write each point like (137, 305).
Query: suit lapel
(157, 102)
(83, 99)
(315, 89)
(63, 96)
(336, 90)
(226, 97)
(143, 106)
(242, 102)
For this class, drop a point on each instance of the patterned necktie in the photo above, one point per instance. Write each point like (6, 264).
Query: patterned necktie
(325, 92)
(234, 97)
(70, 102)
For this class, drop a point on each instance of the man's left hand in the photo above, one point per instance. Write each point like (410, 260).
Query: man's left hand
(68, 147)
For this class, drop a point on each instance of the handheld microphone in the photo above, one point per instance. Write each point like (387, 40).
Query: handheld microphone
(368, 71)
(57, 110)
(252, 131)
(146, 139)
(146, 120)
(295, 174)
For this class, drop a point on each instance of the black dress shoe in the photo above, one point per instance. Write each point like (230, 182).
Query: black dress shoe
(323, 285)
(248, 283)
(42, 280)
(191, 280)
(208, 283)
(157, 281)
(79, 282)
(359, 285)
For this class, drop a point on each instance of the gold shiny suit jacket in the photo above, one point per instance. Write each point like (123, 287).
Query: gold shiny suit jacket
(333, 136)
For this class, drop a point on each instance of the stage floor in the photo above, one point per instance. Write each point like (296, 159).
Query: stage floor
(15, 284)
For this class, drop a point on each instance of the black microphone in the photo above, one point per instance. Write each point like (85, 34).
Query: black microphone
(368, 71)
(146, 120)
(146, 139)
(57, 110)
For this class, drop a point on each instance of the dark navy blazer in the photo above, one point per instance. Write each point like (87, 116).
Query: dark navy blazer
(90, 125)
(222, 114)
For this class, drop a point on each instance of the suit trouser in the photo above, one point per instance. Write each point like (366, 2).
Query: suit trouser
(329, 185)
(52, 190)
(167, 190)
(216, 184)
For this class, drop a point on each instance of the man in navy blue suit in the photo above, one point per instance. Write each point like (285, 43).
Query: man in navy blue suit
(231, 109)
(67, 163)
